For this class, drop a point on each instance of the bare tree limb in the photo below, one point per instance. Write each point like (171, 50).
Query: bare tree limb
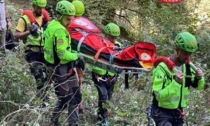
(132, 10)
(125, 17)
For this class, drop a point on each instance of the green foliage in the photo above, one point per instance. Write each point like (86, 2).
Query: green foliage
(15, 82)
(13, 14)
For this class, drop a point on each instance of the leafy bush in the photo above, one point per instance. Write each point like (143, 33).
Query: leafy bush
(16, 83)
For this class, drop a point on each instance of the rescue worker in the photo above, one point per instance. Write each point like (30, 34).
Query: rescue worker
(58, 54)
(105, 80)
(171, 90)
(28, 32)
(80, 10)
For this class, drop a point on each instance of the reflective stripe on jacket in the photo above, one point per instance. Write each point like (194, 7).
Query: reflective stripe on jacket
(102, 72)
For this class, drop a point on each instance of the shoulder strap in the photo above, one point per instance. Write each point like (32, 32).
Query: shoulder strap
(166, 75)
(26, 22)
(29, 13)
(188, 81)
(26, 25)
(56, 59)
(46, 15)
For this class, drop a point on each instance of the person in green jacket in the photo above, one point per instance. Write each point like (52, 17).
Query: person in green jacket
(105, 80)
(58, 54)
(171, 90)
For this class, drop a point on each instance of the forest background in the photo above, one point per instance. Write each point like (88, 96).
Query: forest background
(140, 20)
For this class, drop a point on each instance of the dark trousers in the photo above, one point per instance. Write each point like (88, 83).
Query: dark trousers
(10, 40)
(68, 93)
(166, 117)
(39, 70)
(105, 90)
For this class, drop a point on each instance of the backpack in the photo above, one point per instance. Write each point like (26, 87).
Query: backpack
(29, 13)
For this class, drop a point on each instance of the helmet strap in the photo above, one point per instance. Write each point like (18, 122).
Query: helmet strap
(176, 58)
(60, 18)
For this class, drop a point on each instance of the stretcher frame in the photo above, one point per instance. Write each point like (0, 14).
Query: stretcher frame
(112, 67)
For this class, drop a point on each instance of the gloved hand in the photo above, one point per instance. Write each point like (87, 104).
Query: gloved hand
(80, 63)
(34, 30)
(116, 48)
(179, 77)
(199, 73)
(45, 24)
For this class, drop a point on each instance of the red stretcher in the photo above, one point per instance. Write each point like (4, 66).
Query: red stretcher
(89, 43)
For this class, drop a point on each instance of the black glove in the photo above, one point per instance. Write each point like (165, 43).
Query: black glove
(34, 30)
(80, 63)
(45, 24)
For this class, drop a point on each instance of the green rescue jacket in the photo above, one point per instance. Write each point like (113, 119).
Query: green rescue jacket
(57, 44)
(170, 94)
(32, 40)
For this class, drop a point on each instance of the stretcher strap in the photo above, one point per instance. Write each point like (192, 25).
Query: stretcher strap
(96, 57)
(98, 54)
(85, 34)
(111, 59)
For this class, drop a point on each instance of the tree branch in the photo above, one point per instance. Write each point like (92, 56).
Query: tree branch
(125, 17)
(132, 10)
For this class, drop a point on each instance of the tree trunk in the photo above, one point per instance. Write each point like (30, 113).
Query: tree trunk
(3, 25)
